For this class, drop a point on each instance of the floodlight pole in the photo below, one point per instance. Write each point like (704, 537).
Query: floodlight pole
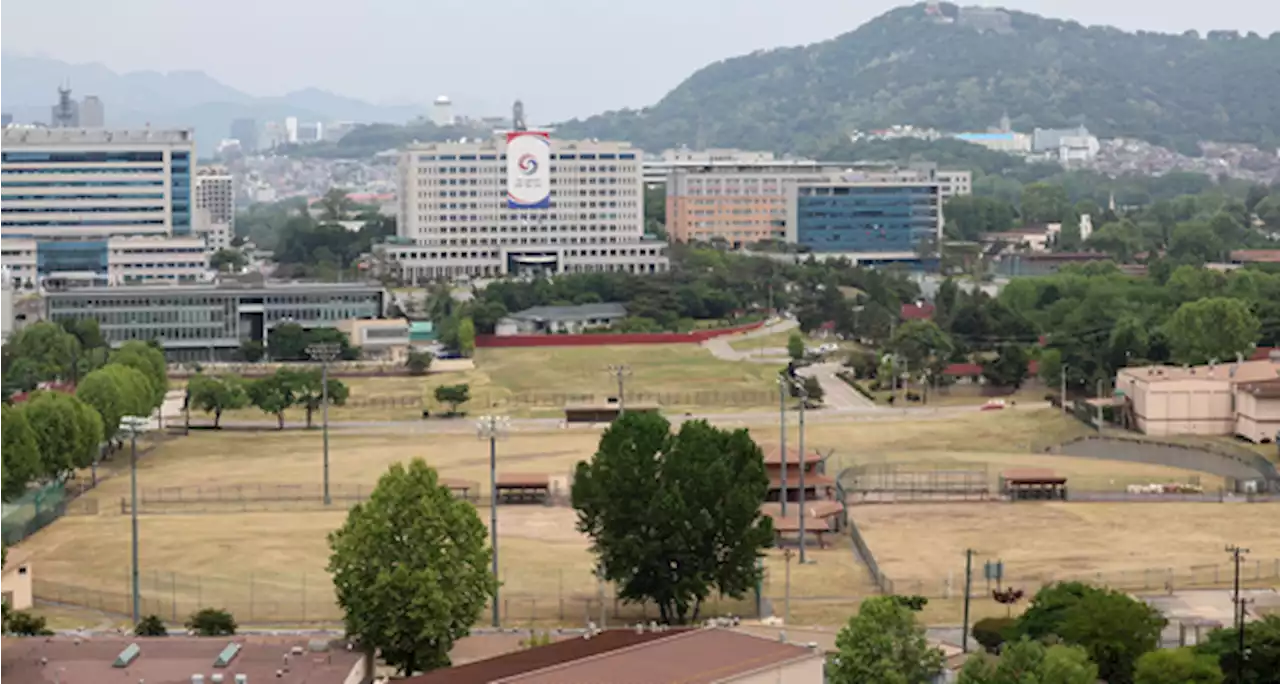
(968, 584)
(1237, 556)
(804, 399)
(782, 427)
(491, 428)
(133, 516)
(325, 352)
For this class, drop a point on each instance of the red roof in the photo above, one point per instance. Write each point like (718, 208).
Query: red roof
(917, 312)
(63, 387)
(973, 370)
(1262, 353)
(1256, 256)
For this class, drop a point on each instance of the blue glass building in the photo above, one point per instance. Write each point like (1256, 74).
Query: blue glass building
(877, 219)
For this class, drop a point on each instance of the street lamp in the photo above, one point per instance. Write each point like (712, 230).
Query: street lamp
(325, 352)
(493, 428)
(782, 430)
(804, 399)
(134, 424)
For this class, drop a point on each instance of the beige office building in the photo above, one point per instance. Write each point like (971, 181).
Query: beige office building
(455, 220)
(1238, 398)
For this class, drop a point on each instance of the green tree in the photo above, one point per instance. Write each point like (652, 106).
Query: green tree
(1031, 662)
(20, 453)
(228, 261)
(275, 393)
(411, 569)
(210, 622)
(453, 395)
(1195, 243)
(993, 632)
(1211, 328)
(467, 337)
(310, 391)
(673, 518)
(335, 205)
(921, 345)
(1008, 368)
(251, 351)
(287, 342)
(67, 432)
(215, 394)
(1050, 370)
(1177, 666)
(1120, 239)
(884, 643)
(1261, 643)
(22, 623)
(795, 345)
(151, 626)
(418, 362)
(1044, 203)
(116, 391)
(51, 350)
(969, 217)
(150, 362)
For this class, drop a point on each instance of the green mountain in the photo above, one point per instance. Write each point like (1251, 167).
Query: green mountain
(961, 69)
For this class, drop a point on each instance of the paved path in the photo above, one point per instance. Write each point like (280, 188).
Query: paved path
(836, 393)
(719, 346)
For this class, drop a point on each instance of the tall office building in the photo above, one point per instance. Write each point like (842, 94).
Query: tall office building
(99, 207)
(92, 112)
(246, 131)
(291, 129)
(65, 114)
(870, 222)
(215, 207)
(461, 212)
(741, 198)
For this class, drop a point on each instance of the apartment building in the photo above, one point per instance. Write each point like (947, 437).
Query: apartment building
(210, 322)
(744, 200)
(215, 206)
(97, 207)
(456, 219)
(871, 222)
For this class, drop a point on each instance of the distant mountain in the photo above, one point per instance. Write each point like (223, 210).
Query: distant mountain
(960, 69)
(187, 99)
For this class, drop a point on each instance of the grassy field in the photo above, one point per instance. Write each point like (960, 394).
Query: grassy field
(538, 382)
(269, 567)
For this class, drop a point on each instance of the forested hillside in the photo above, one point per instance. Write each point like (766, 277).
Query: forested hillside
(961, 70)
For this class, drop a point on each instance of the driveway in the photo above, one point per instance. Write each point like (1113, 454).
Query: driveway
(836, 393)
(719, 346)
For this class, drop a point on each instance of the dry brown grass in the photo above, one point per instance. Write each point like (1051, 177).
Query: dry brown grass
(193, 560)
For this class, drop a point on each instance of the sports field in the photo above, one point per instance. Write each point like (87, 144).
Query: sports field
(538, 382)
(268, 566)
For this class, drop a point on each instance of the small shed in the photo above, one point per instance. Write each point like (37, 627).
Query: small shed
(1033, 484)
(601, 413)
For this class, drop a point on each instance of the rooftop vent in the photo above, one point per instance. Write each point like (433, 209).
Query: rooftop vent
(127, 656)
(227, 655)
(197, 679)
(242, 679)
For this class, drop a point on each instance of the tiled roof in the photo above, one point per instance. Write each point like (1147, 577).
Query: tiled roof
(773, 455)
(917, 312)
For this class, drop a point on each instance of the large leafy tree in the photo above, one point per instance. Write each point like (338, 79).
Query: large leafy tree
(921, 344)
(411, 569)
(883, 643)
(67, 431)
(276, 393)
(1261, 643)
(115, 391)
(150, 362)
(1008, 368)
(1031, 662)
(1211, 328)
(20, 452)
(50, 351)
(215, 394)
(308, 391)
(1177, 666)
(674, 517)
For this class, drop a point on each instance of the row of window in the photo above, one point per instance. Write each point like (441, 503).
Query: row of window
(84, 170)
(60, 184)
(81, 210)
(87, 222)
(90, 197)
(81, 157)
(539, 228)
(561, 156)
(228, 302)
(555, 168)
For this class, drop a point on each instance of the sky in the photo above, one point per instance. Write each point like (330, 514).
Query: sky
(564, 58)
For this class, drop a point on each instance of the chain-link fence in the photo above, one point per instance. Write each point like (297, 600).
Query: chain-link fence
(309, 599)
(36, 509)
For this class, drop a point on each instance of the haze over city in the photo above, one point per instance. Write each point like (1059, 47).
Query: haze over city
(483, 53)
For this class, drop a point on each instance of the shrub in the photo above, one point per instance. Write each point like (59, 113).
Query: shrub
(211, 622)
(992, 632)
(151, 625)
(23, 623)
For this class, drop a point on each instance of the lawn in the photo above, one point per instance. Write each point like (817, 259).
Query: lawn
(269, 567)
(538, 382)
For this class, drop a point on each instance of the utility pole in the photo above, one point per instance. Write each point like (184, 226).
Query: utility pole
(134, 423)
(325, 352)
(968, 584)
(782, 427)
(1062, 393)
(804, 399)
(1237, 556)
(787, 555)
(1100, 381)
(621, 371)
(493, 428)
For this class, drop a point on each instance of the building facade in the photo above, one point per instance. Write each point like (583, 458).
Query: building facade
(868, 221)
(455, 221)
(215, 207)
(70, 194)
(745, 201)
(1237, 398)
(208, 322)
(246, 131)
(92, 112)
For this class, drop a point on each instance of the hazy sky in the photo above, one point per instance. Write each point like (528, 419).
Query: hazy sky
(563, 57)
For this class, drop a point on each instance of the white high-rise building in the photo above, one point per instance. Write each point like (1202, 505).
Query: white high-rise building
(92, 112)
(291, 129)
(442, 111)
(92, 206)
(455, 218)
(215, 202)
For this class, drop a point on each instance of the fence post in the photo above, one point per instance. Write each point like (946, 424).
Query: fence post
(199, 593)
(251, 596)
(304, 597)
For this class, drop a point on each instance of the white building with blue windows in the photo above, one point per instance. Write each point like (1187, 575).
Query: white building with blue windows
(99, 207)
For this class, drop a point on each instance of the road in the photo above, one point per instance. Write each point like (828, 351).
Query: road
(836, 393)
(719, 346)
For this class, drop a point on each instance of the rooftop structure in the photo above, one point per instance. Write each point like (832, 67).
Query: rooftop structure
(684, 656)
(561, 319)
(179, 660)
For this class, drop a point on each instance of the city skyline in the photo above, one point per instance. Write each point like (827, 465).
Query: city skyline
(405, 68)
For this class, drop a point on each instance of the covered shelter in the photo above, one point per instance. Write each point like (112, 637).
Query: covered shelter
(602, 413)
(523, 488)
(1033, 484)
(816, 483)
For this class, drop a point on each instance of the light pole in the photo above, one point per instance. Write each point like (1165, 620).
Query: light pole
(325, 352)
(782, 427)
(133, 424)
(804, 399)
(968, 585)
(493, 428)
(1237, 556)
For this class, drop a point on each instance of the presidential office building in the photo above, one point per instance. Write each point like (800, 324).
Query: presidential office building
(456, 219)
(86, 207)
(209, 322)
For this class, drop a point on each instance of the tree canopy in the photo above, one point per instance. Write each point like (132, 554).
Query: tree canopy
(1031, 662)
(884, 643)
(674, 517)
(411, 569)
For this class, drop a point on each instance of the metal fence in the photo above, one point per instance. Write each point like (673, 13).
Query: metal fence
(716, 398)
(308, 599)
(38, 508)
